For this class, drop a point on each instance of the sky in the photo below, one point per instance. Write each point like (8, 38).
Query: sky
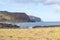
(47, 10)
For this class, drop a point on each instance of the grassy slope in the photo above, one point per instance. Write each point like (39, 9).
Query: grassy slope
(52, 33)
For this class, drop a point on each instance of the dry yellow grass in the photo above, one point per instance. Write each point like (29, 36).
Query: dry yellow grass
(52, 33)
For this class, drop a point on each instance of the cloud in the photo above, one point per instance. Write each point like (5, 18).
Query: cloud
(27, 1)
(5, 1)
(34, 1)
(40, 1)
(56, 6)
(55, 3)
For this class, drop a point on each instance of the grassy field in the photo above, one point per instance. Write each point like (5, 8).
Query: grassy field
(51, 33)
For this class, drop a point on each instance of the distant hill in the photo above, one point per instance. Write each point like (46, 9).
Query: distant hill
(6, 16)
(34, 19)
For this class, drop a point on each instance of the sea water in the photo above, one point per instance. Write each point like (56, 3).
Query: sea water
(32, 24)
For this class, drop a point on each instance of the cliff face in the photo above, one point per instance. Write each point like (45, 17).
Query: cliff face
(34, 19)
(13, 17)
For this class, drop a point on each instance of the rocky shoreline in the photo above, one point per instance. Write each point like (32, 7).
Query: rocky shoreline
(46, 26)
(4, 25)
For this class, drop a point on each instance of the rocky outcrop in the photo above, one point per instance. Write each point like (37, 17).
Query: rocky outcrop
(34, 19)
(46, 26)
(3, 25)
(13, 17)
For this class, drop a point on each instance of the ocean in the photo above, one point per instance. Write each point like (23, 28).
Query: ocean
(32, 24)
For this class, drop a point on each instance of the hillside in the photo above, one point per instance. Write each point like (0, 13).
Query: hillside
(13, 17)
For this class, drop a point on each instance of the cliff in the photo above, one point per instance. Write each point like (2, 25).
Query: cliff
(13, 17)
(34, 19)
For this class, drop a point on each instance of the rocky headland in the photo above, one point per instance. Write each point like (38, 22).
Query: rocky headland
(6, 16)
